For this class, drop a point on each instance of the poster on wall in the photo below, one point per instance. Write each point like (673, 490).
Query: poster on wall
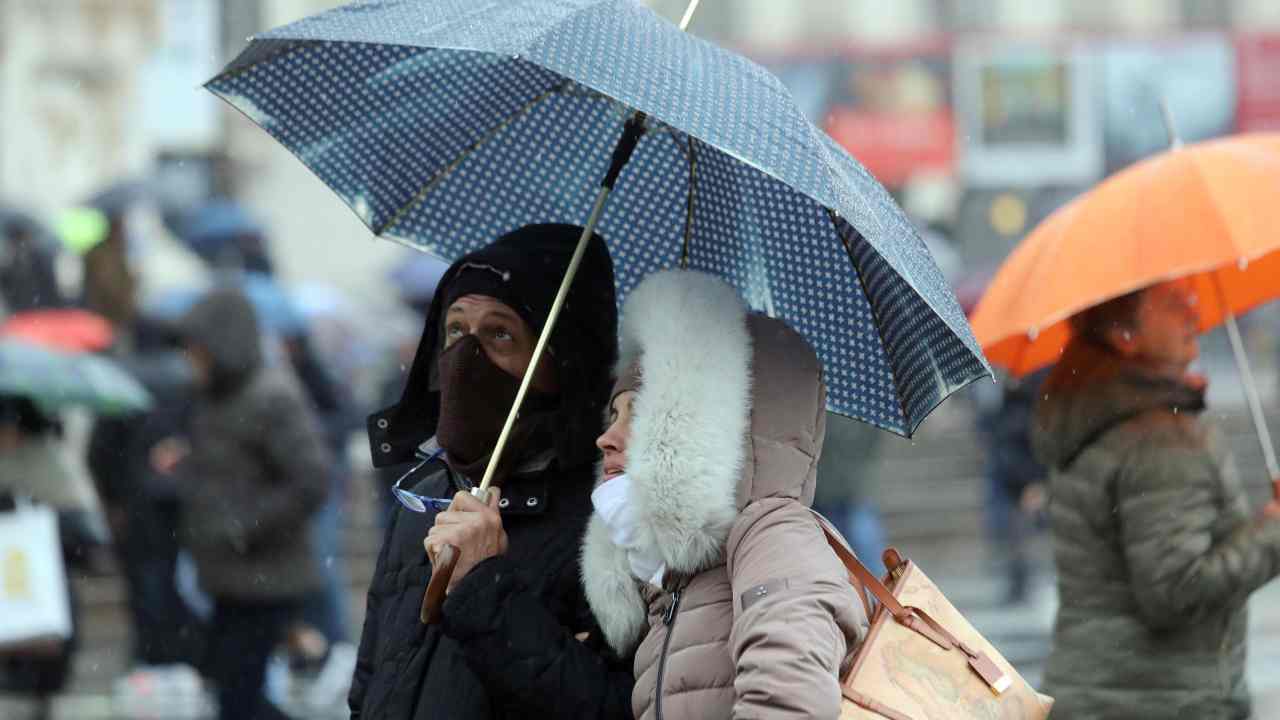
(1027, 114)
(891, 108)
(1258, 80)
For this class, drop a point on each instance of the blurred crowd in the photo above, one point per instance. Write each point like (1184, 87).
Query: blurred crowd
(166, 295)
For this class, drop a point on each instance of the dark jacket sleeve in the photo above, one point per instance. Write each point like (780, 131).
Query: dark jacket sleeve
(531, 653)
(1168, 503)
(295, 454)
(366, 657)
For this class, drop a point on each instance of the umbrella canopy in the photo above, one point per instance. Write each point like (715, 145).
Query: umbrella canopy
(66, 330)
(219, 225)
(277, 312)
(1207, 211)
(444, 125)
(54, 380)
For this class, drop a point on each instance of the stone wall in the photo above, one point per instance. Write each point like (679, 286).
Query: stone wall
(68, 83)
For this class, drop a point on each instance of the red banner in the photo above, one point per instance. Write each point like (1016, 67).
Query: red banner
(894, 146)
(1258, 83)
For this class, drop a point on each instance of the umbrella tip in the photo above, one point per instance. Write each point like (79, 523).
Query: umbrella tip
(1175, 141)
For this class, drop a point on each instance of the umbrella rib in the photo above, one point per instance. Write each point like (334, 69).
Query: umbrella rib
(893, 371)
(688, 210)
(466, 153)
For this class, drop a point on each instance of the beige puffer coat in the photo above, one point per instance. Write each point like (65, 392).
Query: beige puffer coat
(756, 616)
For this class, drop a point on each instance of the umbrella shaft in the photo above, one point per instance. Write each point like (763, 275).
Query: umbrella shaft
(1251, 394)
(688, 14)
(596, 211)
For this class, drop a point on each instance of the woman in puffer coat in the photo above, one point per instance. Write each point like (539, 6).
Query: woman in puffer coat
(703, 557)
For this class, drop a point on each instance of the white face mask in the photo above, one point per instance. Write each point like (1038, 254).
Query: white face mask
(612, 501)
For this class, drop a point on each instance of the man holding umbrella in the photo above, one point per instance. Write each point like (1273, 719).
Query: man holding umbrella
(1156, 547)
(476, 346)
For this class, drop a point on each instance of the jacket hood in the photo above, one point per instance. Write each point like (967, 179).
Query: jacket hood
(531, 261)
(730, 409)
(1092, 390)
(226, 325)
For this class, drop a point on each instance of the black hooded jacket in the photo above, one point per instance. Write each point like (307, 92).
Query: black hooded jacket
(517, 639)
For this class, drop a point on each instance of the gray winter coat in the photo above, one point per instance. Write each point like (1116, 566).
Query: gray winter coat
(1156, 547)
(258, 468)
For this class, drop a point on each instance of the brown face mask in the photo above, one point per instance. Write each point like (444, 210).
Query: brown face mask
(475, 397)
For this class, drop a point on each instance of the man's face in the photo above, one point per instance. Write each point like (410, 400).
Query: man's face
(1167, 326)
(506, 338)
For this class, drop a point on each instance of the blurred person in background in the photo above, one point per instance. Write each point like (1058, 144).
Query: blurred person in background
(34, 468)
(28, 277)
(131, 457)
(224, 234)
(1015, 479)
(846, 489)
(1157, 548)
(251, 484)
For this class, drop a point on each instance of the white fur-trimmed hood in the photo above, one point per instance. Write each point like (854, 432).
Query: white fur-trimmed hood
(693, 455)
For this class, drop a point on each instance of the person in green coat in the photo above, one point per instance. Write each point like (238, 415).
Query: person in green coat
(1156, 546)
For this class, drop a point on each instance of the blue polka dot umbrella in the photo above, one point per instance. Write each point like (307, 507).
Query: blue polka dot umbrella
(447, 123)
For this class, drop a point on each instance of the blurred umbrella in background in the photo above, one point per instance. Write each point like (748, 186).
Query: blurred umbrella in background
(277, 311)
(415, 280)
(55, 380)
(224, 234)
(67, 330)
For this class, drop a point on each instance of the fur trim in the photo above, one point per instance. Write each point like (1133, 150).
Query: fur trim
(686, 453)
(612, 591)
(688, 331)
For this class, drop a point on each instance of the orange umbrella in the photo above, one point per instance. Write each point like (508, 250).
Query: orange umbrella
(1209, 211)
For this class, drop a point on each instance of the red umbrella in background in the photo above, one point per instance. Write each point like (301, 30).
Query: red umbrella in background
(66, 330)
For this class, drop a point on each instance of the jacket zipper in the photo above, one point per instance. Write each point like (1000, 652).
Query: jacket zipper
(668, 619)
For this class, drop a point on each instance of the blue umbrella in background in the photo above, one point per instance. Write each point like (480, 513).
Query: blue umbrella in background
(416, 280)
(277, 312)
(444, 124)
(223, 233)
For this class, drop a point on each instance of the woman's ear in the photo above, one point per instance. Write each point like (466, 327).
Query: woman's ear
(1122, 339)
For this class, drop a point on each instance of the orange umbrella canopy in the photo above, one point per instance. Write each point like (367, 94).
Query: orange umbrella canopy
(1209, 211)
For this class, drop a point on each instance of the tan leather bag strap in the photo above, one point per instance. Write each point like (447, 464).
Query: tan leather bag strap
(842, 550)
(913, 618)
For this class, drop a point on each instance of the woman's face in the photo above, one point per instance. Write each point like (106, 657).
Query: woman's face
(507, 339)
(614, 440)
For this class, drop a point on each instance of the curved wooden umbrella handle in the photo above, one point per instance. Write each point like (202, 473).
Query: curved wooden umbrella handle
(433, 600)
(1275, 489)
